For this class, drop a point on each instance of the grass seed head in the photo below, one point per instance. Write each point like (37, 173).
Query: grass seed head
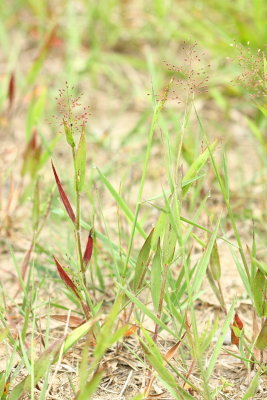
(73, 116)
(190, 78)
(253, 77)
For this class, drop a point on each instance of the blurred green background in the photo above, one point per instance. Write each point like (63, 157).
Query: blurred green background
(114, 52)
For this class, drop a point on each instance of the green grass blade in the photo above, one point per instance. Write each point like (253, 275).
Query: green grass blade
(80, 161)
(253, 387)
(141, 263)
(121, 203)
(90, 387)
(146, 311)
(204, 261)
(156, 281)
(49, 357)
(197, 165)
(219, 343)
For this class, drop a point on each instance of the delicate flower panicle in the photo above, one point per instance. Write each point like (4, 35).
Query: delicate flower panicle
(192, 78)
(73, 115)
(254, 67)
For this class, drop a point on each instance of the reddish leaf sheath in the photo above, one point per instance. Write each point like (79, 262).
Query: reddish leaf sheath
(89, 249)
(65, 277)
(238, 324)
(63, 196)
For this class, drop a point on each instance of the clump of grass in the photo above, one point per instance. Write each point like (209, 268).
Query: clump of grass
(161, 283)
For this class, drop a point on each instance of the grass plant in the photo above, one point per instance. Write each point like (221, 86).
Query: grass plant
(127, 232)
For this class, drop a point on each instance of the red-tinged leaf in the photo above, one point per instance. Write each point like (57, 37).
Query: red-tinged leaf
(89, 248)
(73, 321)
(238, 322)
(11, 90)
(131, 330)
(65, 277)
(63, 196)
(236, 330)
(173, 350)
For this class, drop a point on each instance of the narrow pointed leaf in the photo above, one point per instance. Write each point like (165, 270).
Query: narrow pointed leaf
(122, 204)
(68, 133)
(156, 278)
(260, 265)
(217, 349)
(173, 350)
(65, 277)
(141, 263)
(214, 287)
(253, 387)
(169, 244)
(63, 196)
(259, 287)
(159, 229)
(204, 261)
(168, 356)
(80, 161)
(197, 165)
(90, 387)
(215, 265)
(89, 249)
(165, 375)
(261, 342)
